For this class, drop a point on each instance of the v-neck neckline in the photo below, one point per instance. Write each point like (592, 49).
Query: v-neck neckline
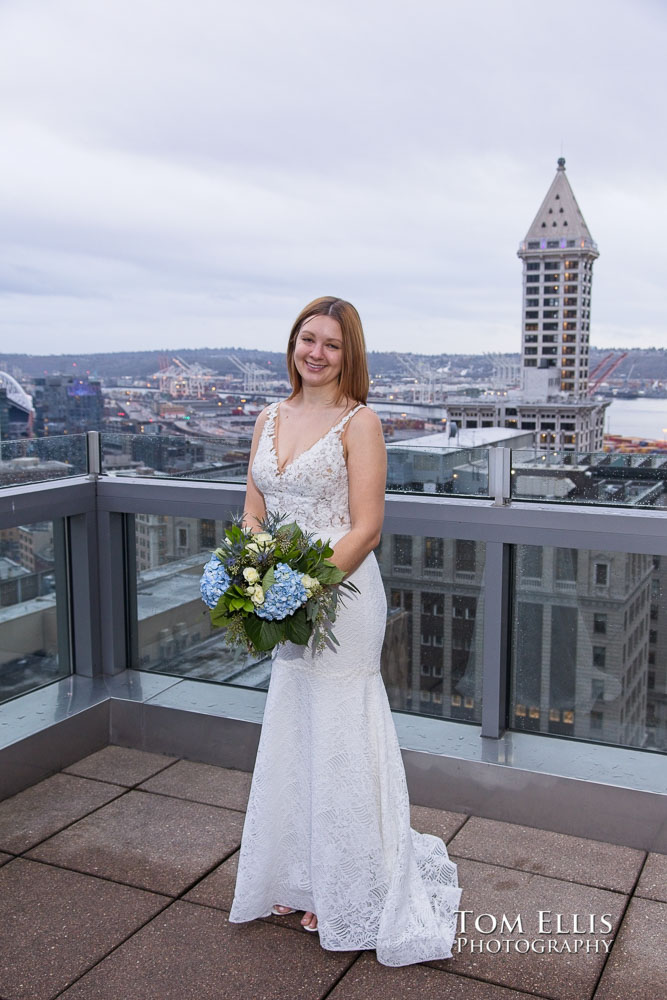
(273, 438)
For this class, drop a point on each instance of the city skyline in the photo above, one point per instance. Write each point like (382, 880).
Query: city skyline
(180, 185)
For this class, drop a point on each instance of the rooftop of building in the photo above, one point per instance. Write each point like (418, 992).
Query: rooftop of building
(117, 876)
(559, 216)
(465, 437)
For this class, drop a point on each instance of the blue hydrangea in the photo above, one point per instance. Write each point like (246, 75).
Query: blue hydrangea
(214, 582)
(285, 595)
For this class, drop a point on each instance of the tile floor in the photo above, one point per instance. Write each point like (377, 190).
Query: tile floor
(116, 878)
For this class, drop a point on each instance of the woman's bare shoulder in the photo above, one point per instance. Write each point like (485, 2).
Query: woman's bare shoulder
(365, 420)
(364, 432)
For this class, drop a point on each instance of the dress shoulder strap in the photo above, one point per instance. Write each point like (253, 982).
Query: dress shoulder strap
(341, 423)
(271, 413)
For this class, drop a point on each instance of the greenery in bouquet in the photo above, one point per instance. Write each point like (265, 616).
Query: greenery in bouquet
(274, 586)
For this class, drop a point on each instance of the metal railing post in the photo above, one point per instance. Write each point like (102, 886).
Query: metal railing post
(496, 630)
(500, 463)
(93, 453)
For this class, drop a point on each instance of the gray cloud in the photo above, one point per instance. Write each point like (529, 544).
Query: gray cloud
(190, 173)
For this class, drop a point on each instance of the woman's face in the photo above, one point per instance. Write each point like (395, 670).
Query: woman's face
(318, 351)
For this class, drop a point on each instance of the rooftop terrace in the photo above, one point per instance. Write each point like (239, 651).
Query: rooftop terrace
(118, 873)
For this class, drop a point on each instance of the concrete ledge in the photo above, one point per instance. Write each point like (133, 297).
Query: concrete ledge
(53, 748)
(584, 790)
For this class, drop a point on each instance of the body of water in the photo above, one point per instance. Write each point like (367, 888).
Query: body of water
(642, 418)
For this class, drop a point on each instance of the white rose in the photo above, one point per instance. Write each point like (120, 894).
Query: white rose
(311, 584)
(261, 542)
(251, 575)
(257, 596)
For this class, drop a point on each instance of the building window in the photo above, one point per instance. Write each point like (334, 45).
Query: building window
(600, 657)
(601, 574)
(531, 561)
(466, 554)
(597, 689)
(566, 565)
(533, 266)
(403, 550)
(432, 604)
(434, 553)
(550, 326)
(600, 624)
(596, 721)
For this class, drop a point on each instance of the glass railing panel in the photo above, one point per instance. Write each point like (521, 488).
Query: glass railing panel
(412, 467)
(417, 467)
(34, 460)
(223, 459)
(174, 632)
(608, 478)
(432, 655)
(589, 645)
(33, 607)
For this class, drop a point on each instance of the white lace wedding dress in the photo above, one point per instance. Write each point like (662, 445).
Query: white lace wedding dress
(328, 821)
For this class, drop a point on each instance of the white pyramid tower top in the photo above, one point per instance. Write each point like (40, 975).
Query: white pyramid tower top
(559, 216)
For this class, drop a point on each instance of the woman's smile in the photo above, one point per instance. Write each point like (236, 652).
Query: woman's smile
(318, 352)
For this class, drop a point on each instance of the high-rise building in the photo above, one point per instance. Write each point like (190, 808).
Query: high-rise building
(67, 405)
(558, 254)
(554, 401)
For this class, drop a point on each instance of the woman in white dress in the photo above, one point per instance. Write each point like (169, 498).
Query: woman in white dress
(327, 829)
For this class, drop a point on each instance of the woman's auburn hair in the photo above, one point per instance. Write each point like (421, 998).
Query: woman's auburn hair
(353, 380)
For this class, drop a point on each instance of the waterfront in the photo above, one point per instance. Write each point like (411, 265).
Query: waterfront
(642, 418)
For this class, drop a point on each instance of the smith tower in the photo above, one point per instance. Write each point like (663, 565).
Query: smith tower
(558, 254)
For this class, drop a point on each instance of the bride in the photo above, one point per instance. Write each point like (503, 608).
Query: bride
(327, 829)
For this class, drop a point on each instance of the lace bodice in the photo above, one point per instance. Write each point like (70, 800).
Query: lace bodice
(313, 489)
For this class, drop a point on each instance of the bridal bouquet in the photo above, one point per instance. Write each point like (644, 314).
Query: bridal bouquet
(272, 587)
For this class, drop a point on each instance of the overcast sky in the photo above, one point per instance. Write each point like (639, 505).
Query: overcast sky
(191, 172)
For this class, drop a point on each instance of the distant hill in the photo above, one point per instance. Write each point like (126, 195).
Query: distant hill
(646, 363)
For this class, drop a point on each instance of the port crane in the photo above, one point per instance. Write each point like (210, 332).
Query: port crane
(429, 386)
(254, 377)
(604, 369)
